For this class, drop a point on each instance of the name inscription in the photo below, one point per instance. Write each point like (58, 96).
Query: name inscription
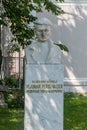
(44, 91)
(43, 86)
(36, 86)
(44, 81)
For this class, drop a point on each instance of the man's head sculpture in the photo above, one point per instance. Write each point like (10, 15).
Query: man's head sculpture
(43, 29)
(42, 50)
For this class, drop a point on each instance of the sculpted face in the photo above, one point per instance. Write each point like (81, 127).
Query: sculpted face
(43, 29)
(42, 32)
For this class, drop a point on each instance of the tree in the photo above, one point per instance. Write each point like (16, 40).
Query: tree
(17, 15)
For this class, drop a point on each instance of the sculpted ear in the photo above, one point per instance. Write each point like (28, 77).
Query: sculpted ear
(31, 50)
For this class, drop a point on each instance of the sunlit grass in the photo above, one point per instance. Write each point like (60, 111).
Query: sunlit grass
(75, 115)
(11, 119)
(75, 111)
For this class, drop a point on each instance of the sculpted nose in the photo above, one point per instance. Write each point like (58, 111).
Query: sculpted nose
(42, 33)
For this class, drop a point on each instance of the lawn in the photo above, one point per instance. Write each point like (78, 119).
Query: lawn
(75, 115)
(11, 119)
(75, 112)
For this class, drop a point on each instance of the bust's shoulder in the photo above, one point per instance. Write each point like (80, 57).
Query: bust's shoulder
(32, 45)
(52, 44)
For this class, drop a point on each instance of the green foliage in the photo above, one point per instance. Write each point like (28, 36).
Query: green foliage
(14, 98)
(69, 95)
(11, 82)
(14, 48)
(63, 47)
(1, 81)
(17, 15)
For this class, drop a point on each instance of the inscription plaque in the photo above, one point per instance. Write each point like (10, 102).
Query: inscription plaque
(44, 97)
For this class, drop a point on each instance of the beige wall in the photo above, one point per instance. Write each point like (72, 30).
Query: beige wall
(71, 29)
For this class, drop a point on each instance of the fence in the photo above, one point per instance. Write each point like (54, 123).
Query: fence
(13, 67)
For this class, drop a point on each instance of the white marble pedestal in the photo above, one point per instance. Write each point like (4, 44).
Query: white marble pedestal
(43, 97)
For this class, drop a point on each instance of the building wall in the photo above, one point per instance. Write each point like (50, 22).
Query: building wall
(12, 62)
(70, 29)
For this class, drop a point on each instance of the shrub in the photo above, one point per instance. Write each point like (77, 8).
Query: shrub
(14, 98)
(11, 81)
(1, 81)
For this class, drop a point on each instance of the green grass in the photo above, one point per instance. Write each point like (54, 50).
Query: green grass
(11, 119)
(75, 111)
(75, 115)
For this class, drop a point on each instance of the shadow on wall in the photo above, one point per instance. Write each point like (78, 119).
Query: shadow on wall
(70, 29)
(73, 33)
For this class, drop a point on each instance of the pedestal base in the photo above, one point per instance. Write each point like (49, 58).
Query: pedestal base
(44, 97)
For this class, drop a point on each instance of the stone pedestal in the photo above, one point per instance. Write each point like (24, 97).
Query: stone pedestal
(43, 97)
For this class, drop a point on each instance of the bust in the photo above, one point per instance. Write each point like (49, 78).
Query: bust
(42, 49)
